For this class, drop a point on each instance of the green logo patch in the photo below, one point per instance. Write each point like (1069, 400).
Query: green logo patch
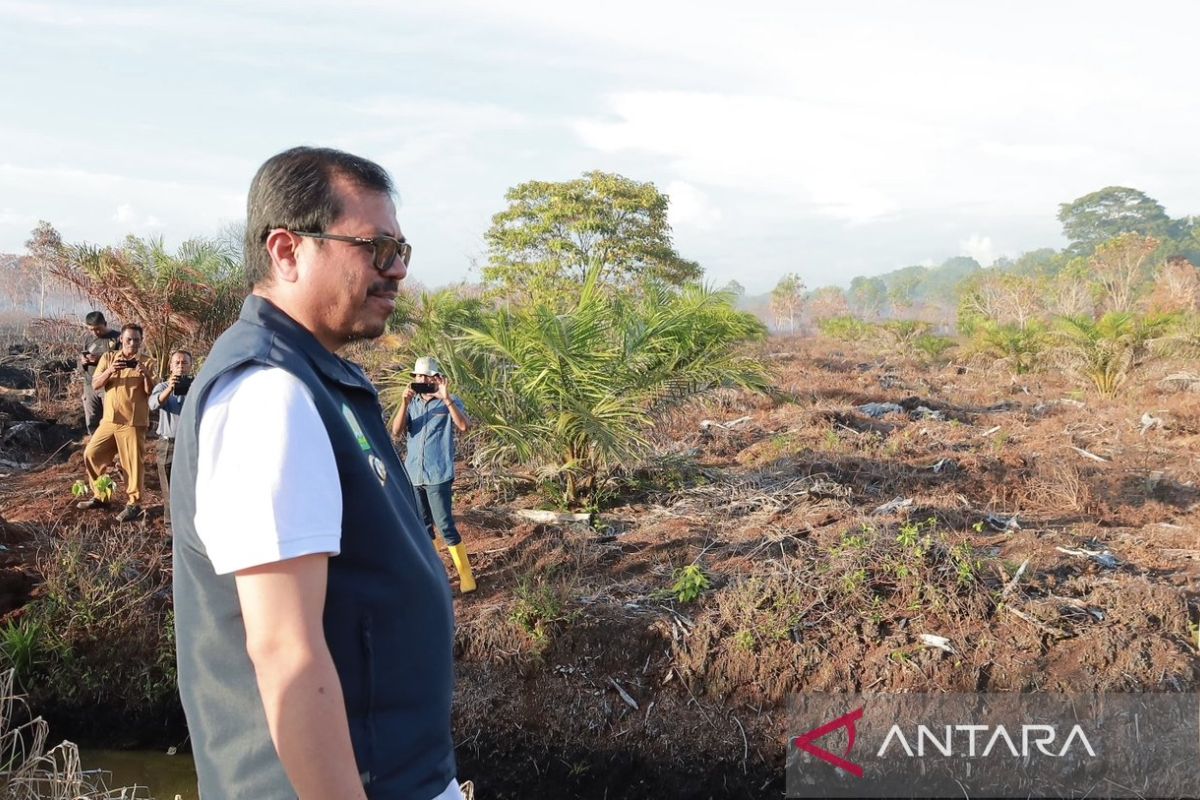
(352, 421)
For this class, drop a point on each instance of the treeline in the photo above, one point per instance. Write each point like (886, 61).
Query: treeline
(1124, 293)
(1122, 245)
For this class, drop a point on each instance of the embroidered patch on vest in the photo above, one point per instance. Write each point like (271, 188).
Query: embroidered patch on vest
(354, 426)
(379, 467)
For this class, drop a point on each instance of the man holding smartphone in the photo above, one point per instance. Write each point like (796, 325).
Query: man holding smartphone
(167, 399)
(126, 383)
(428, 417)
(103, 340)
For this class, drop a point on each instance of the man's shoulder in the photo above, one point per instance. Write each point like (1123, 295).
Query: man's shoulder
(246, 344)
(262, 380)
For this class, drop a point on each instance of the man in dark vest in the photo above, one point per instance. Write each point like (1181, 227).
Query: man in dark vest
(313, 618)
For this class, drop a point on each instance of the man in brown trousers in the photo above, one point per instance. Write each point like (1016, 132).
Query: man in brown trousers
(126, 383)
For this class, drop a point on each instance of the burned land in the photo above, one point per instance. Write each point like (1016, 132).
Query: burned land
(871, 524)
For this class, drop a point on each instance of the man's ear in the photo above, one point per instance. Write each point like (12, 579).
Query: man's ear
(282, 246)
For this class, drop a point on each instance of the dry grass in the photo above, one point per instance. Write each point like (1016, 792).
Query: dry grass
(31, 772)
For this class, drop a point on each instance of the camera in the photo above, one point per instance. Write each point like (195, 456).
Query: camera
(125, 363)
(424, 388)
(182, 384)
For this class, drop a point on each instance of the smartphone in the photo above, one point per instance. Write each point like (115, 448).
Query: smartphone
(424, 388)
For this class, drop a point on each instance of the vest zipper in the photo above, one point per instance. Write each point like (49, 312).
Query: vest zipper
(368, 645)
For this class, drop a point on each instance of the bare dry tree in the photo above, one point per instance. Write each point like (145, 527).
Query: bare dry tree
(1119, 268)
(1176, 287)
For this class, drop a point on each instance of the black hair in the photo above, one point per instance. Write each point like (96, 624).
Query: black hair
(294, 191)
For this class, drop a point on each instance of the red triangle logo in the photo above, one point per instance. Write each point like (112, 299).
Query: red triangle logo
(805, 742)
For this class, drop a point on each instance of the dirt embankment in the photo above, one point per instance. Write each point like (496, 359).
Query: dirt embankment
(982, 535)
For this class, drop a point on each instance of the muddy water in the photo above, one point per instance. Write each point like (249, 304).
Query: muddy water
(165, 777)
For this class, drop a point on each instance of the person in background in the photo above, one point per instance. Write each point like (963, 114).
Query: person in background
(429, 415)
(167, 399)
(125, 381)
(314, 624)
(103, 340)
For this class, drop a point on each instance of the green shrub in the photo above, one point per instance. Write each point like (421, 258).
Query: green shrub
(689, 583)
(1018, 347)
(845, 328)
(932, 347)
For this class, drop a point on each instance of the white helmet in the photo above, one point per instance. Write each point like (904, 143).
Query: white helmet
(427, 365)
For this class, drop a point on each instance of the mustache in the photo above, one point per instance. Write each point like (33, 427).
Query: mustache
(383, 287)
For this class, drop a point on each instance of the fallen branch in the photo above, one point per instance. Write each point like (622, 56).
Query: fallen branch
(1086, 454)
(1102, 557)
(1177, 553)
(629, 701)
(1012, 584)
(550, 517)
(1037, 623)
(705, 424)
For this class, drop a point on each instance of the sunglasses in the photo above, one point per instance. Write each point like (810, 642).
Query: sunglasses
(385, 248)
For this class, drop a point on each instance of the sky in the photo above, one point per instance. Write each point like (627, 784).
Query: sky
(826, 139)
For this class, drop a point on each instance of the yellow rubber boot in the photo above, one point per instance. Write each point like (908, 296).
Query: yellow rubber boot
(458, 554)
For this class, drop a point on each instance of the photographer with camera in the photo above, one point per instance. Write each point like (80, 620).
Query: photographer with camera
(429, 425)
(126, 384)
(103, 340)
(167, 399)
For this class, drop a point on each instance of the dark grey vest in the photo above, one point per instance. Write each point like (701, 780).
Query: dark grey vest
(389, 621)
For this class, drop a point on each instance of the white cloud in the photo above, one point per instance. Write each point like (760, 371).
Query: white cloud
(130, 217)
(10, 217)
(81, 16)
(79, 203)
(690, 207)
(871, 134)
(841, 164)
(979, 248)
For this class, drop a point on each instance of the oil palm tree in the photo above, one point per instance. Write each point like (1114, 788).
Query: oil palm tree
(1108, 350)
(184, 298)
(1017, 346)
(574, 393)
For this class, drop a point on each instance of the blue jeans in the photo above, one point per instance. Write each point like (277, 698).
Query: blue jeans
(434, 502)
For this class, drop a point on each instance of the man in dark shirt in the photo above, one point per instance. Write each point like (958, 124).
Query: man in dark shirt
(103, 340)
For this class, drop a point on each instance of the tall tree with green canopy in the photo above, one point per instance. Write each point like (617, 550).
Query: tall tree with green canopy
(868, 296)
(545, 241)
(1043, 261)
(1095, 218)
(904, 285)
(735, 289)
